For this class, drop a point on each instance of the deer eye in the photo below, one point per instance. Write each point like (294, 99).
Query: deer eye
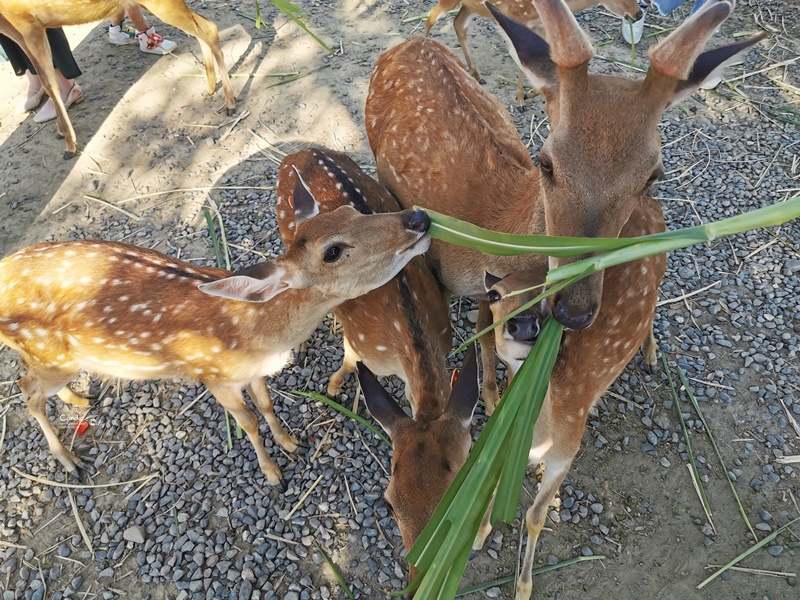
(332, 254)
(545, 164)
(493, 296)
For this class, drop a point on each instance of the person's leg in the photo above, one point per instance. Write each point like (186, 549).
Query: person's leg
(119, 35)
(149, 41)
(71, 93)
(667, 6)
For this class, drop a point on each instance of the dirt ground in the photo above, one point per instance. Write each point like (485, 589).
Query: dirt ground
(155, 151)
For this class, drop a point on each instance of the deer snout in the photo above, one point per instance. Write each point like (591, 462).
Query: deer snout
(523, 328)
(572, 317)
(417, 220)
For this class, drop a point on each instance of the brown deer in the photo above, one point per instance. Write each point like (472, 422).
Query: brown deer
(441, 141)
(522, 11)
(25, 21)
(428, 450)
(130, 312)
(401, 328)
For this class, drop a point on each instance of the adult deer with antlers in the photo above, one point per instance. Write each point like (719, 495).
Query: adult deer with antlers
(442, 142)
(134, 313)
(25, 22)
(401, 328)
(522, 11)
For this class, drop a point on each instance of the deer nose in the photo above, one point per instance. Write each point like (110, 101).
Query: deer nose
(418, 220)
(523, 328)
(571, 320)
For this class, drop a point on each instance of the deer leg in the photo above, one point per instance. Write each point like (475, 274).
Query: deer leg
(437, 11)
(489, 391)
(37, 385)
(649, 350)
(33, 42)
(179, 15)
(260, 394)
(233, 401)
(461, 24)
(336, 382)
(554, 474)
(69, 397)
(484, 530)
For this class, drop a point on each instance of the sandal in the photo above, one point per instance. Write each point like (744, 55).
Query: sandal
(33, 99)
(48, 112)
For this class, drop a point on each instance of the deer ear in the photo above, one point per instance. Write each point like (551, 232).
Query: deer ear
(709, 65)
(529, 51)
(489, 280)
(305, 206)
(380, 403)
(258, 283)
(464, 396)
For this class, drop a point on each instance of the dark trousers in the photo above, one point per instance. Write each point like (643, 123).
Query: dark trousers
(59, 47)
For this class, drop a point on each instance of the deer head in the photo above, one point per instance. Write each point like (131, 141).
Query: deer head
(428, 450)
(603, 152)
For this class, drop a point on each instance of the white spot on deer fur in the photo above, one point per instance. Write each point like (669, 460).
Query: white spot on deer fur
(397, 325)
(380, 348)
(123, 298)
(13, 326)
(361, 337)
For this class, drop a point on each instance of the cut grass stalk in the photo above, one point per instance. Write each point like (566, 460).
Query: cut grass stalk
(616, 250)
(336, 572)
(296, 77)
(478, 587)
(424, 17)
(344, 411)
(294, 13)
(696, 406)
(698, 486)
(748, 552)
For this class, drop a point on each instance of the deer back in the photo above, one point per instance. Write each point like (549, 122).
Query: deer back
(442, 142)
(401, 328)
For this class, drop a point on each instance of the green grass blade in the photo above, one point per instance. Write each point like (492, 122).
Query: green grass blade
(293, 12)
(530, 384)
(695, 475)
(660, 243)
(617, 251)
(212, 231)
(462, 233)
(747, 553)
(336, 572)
(696, 406)
(344, 411)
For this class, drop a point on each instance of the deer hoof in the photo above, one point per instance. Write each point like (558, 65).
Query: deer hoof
(69, 155)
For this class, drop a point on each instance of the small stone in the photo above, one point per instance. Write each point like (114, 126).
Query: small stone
(134, 534)
(775, 550)
(106, 573)
(664, 462)
(493, 592)
(597, 508)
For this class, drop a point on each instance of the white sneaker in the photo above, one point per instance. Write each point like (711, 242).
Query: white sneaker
(152, 43)
(632, 30)
(120, 36)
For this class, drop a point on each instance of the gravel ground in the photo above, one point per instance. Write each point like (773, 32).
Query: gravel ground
(208, 526)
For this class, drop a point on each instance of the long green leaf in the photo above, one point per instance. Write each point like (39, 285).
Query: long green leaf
(618, 250)
(336, 572)
(441, 558)
(747, 553)
(530, 384)
(768, 216)
(293, 12)
(696, 406)
(344, 411)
